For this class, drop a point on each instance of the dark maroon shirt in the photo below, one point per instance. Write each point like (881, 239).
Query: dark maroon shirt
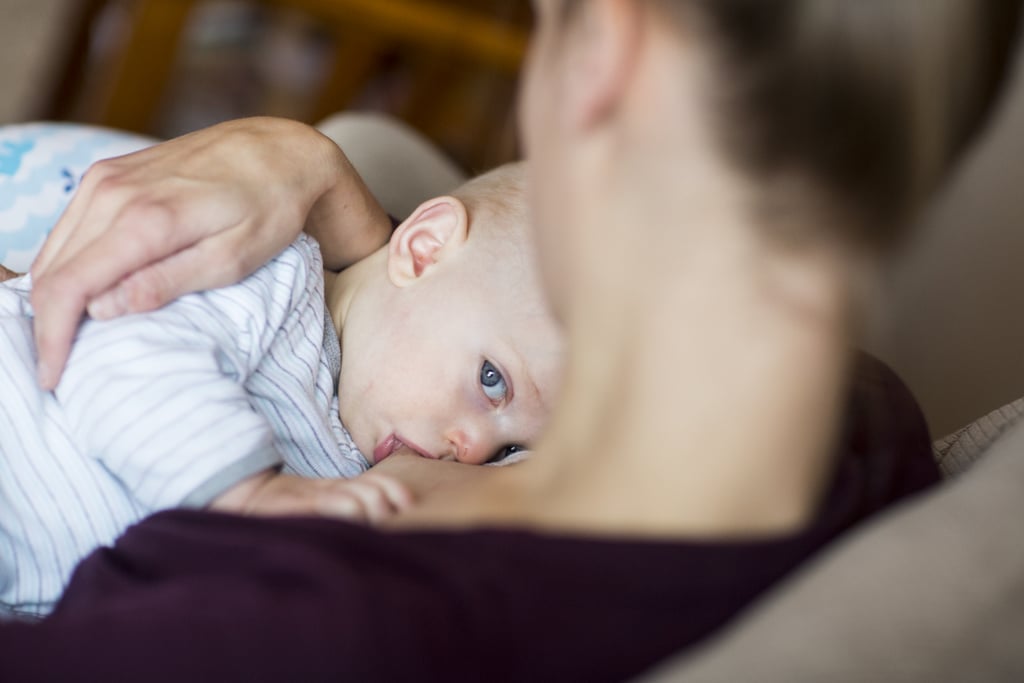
(194, 595)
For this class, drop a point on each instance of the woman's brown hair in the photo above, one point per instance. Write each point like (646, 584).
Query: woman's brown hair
(866, 103)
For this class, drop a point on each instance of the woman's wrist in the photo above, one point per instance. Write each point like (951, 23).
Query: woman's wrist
(346, 218)
(314, 177)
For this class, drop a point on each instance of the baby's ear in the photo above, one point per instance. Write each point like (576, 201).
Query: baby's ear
(436, 228)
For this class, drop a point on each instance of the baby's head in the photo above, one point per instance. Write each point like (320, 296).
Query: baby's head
(448, 346)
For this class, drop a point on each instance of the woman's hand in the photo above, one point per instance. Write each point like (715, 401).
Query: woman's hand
(197, 212)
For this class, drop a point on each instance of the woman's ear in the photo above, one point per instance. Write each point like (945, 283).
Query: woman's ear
(604, 50)
(436, 228)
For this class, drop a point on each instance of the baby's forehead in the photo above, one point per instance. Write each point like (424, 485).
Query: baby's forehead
(511, 282)
(503, 250)
(521, 313)
(540, 349)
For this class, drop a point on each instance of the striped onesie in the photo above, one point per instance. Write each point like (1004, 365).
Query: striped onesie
(161, 410)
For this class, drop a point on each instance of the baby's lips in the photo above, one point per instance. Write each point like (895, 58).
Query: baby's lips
(413, 449)
(403, 449)
(385, 448)
(394, 444)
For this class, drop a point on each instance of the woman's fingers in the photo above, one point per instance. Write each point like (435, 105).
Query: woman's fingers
(83, 270)
(109, 190)
(68, 223)
(149, 288)
(394, 495)
(184, 272)
(95, 243)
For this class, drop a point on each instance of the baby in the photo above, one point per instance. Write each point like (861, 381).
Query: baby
(233, 398)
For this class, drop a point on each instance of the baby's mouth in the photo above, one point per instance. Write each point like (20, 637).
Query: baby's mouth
(393, 443)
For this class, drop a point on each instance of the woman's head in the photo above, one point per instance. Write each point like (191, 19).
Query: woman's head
(868, 101)
(839, 112)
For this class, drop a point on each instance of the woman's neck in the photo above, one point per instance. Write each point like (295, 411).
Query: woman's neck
(704, 397)
(708, 428)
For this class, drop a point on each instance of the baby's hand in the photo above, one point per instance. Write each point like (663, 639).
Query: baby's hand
(370, 497)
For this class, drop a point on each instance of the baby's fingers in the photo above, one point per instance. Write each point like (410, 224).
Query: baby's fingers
(339, 505)
(398, 496)
(59, 299)
(368, 498)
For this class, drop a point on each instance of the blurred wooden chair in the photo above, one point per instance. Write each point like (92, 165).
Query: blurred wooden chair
(453, 40)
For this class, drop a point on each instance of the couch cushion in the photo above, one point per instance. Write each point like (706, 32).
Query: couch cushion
(956, 452)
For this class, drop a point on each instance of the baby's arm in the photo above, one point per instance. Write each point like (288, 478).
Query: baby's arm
(389, 488)
(370, 497)
(157, 400)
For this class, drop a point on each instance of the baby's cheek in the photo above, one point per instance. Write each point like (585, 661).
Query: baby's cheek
(352, 419)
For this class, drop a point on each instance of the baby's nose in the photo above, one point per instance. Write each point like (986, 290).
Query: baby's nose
(465, 448)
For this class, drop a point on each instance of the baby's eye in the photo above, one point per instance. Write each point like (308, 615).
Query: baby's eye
(506, 451)
(492, 382)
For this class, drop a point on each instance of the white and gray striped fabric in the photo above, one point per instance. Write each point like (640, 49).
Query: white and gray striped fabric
(161, 410)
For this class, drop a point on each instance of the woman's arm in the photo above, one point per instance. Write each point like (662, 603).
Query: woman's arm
(196, 212)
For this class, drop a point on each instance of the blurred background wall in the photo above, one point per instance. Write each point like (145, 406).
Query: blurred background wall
(165, 67)
(32, 36)
(953, 320)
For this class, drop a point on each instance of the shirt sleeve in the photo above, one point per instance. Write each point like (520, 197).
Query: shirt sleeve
(159, 401)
